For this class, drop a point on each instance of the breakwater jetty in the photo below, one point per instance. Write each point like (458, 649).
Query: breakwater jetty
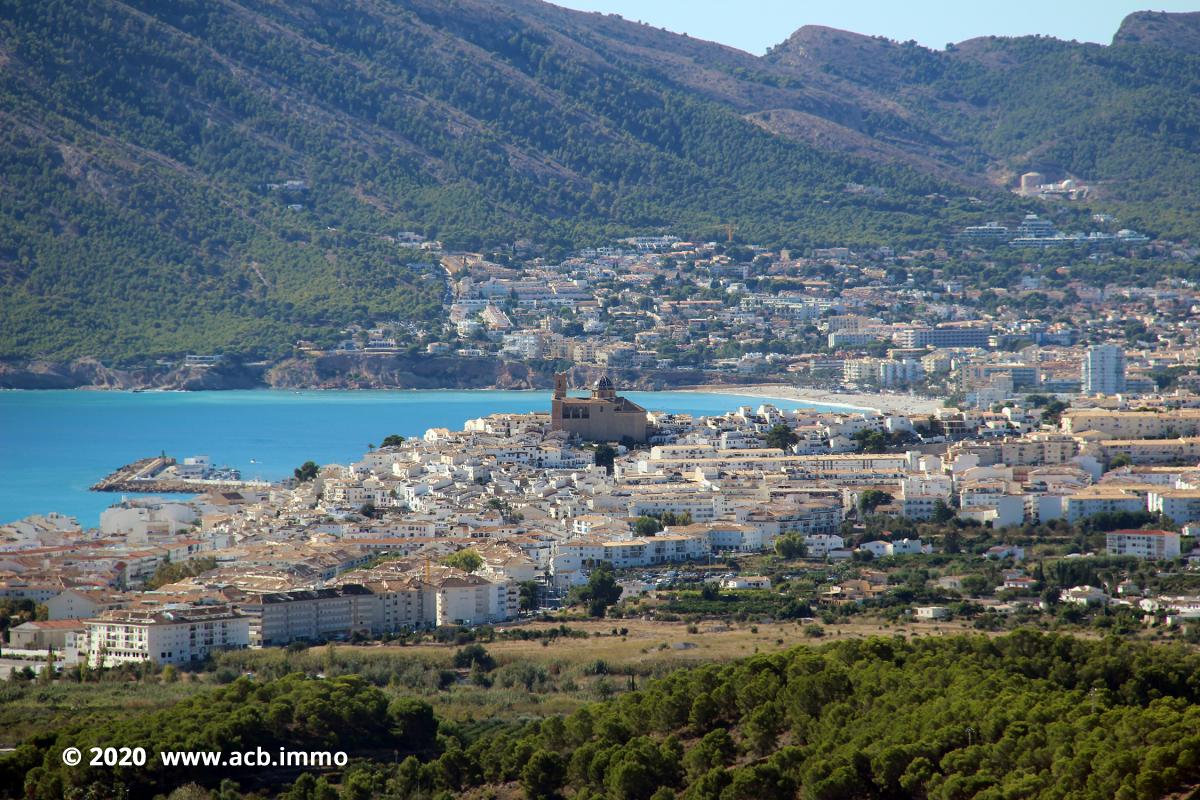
(160, 475)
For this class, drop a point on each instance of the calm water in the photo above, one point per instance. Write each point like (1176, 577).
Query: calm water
(55, 444)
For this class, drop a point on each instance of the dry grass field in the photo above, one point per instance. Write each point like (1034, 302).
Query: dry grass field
(583, 670)
(648, 643)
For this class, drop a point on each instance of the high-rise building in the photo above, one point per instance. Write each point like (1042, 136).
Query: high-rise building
(1104, 370)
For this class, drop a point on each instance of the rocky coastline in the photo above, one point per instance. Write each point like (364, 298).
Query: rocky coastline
(337, 371)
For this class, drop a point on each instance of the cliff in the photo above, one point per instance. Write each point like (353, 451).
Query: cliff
(339, 371)
(88, 373)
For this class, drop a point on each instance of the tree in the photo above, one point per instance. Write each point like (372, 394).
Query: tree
(790, 546)
(869, 441)
(467, 560)
(952, 541)
(781, 437)
(307, 471)
(1052, 413)
(530, 593)
(1120, 460)
(605, 456)
(600, 592)
(48, 671)
(175, 571)
(543, 774)
(942, 512)
(474, 655)
(872, 499)
(646, 526)
(761, 728)
(393, 440)
(976, 585)
(414, 723)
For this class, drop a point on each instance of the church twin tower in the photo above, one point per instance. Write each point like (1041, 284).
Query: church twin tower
(603, 417)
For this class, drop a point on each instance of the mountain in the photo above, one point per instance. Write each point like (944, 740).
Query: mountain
(1179, 31)
(1124, 119)
(196, 176)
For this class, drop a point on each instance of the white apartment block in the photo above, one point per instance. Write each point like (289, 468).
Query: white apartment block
(733, 536)
(1181, 505)
(809, 518)
(702, 508)
(578, 555)
(313, 615)
(1101, 500)
(164, 635)
(1149, 545)
(1133, 424)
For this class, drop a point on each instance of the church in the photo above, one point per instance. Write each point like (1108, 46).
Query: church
(603, 417)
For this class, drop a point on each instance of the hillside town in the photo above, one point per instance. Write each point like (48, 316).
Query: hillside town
(996, 311)
(506, 517)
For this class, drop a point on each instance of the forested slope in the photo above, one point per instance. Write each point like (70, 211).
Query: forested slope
(1124, 119)
(1026, 715)
(146, 147)
(141, 139)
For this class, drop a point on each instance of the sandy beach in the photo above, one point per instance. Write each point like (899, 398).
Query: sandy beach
(887, 403)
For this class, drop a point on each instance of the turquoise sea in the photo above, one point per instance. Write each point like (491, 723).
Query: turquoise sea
(55, 444)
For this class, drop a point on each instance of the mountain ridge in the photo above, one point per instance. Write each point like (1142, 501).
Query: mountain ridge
(141, 143)
(1180, 30)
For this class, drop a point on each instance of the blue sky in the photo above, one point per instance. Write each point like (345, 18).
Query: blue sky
(755, 25)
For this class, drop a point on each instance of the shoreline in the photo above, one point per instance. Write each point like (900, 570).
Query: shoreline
(854, 401)
(905, 405)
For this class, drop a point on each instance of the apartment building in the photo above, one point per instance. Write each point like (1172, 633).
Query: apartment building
(1133, 424)
(1146, 451)
(1102, 499)
(1034, 450)
(172, 635)
(1181, 505)
(949, 335)
(583, 554)
(314, 615)
(1149, 545)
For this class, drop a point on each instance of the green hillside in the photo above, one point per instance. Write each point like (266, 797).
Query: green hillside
(1026, 715)
(1124, 119)
(141, 142)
